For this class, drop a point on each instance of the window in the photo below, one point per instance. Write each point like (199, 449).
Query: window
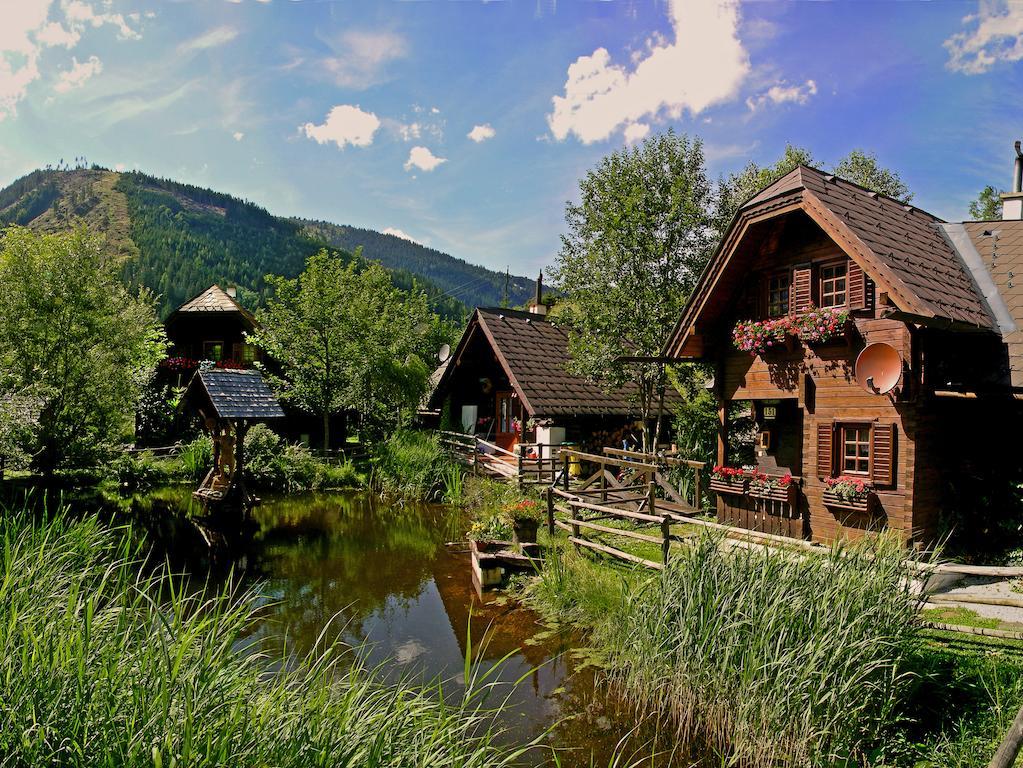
(245, 353)
(833, 285)
(778, 295)
(855, 449)
(213, 350)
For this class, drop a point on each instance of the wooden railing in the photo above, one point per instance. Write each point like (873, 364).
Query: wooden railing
(514, 465)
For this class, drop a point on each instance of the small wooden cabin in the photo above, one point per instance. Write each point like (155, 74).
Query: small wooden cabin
(944, 297)
(212, 326)
(507, 381)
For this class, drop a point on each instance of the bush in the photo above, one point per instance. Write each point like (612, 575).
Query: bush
(197, 457)
(273, 464)
(139, 471)
(104, 666)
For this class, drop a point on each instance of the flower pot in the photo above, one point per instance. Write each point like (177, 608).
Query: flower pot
(524, 531)
(733, 485)
(785, 494)
(863, 503)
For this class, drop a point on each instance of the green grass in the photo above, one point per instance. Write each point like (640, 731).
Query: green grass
(103, 665)
(960, 616)
(413, 465)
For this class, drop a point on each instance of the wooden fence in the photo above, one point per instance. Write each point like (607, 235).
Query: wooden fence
(528, 464)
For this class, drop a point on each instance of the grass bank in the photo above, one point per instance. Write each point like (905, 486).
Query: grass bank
(770, 659)
(103, 666)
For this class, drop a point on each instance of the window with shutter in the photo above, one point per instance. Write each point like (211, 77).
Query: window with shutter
(882, 469)
(857, 286)
(802, 281)
(825, 449)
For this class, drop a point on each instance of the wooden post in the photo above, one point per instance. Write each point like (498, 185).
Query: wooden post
(475, 455)
(564, 470)
(666, 544)
(603, 484)
(1010, 746)
(650, 496)
(518, 452)
(696, 489)
(550, 510)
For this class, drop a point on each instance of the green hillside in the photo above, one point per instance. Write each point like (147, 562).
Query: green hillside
(177, 239)
(472, 284)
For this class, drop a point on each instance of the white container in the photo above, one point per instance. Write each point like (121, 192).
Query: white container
(469, 418)
(548, 436)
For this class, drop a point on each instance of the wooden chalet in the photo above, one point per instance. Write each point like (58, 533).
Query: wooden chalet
(212, 326)
(507, 381)
(941, 309)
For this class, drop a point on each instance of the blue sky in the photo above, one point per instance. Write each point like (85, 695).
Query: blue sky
(466, 126)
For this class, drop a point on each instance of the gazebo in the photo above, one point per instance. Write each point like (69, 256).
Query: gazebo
(229, 402)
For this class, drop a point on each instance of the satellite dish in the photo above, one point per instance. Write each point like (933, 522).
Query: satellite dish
(444, 353)
(878, 368)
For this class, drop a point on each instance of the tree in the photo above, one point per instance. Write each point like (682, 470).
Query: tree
(862, 168)
(346, 338)
(987, 206)
(636, 244)
(740, 187)
(76, 348)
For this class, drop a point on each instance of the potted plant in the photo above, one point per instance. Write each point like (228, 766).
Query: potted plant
(525, 517)
(729, 479)
(758, 336)
(492, 528)
(848, 492)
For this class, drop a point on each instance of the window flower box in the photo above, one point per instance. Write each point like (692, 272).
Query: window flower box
(812, 327)
(783, 489)
(849, 493)
(729, 480)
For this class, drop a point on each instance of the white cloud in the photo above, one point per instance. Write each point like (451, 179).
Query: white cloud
(423, 159)
(782, 93)
(995, 34)
(705, 65)
(80, 72)
(238, 135)
(27, 30)
(210, 39)
(481, 132)
(636, 132)
(410, 131)
(79, 12)
(399, 233)
(361, 57)
(345, 124)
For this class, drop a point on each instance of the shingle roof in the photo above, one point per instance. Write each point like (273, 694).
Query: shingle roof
(213, 299)
(238, 394)
(1000, 246)
(534, 354)
(905, 243)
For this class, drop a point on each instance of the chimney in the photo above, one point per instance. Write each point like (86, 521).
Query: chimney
(536, 306)
(232, 291)
(1012, 202)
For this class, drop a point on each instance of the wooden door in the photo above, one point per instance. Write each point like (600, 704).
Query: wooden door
(507, 417)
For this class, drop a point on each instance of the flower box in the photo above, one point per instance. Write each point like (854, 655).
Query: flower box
(862, 503)
(733, 485)
(786, 493)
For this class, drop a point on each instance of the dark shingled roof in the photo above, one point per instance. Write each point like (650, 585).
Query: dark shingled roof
(213, 299)
(238, 394)
(534, 354)
(905, 243)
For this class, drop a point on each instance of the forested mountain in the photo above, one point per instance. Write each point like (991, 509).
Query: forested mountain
(177, 239)
(470, 283)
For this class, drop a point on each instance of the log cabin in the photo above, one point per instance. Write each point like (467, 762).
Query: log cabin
(508, 381)
(877, 351)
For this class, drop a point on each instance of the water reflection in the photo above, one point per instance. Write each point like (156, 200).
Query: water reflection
(380, 576)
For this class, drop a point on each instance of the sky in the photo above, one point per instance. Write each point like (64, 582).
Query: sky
(466, 126)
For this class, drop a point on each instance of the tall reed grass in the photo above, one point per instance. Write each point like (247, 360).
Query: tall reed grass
(770, 657)
(412, 464)
(102, 665)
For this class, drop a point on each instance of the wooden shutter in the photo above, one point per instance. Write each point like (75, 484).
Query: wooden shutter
(802, 282)
(825, 449)
(857, 286)
(882, 455)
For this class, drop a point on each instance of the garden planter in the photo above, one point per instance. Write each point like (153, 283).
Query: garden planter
(737, 486)
(524, 531)
(786, 494)
(863, 503)
(843, 337)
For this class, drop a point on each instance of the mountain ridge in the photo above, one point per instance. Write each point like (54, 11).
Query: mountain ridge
(176, 239)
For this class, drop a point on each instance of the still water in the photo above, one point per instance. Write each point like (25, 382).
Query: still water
(384, 577)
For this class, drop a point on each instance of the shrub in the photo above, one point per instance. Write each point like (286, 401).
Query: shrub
(140, 471)
(197, 457)
(104, 666)
(412, 464)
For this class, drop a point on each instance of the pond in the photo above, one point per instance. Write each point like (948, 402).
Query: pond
(394, 579)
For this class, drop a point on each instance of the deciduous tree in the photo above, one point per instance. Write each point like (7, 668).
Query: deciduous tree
(987, 206)
(76, 347)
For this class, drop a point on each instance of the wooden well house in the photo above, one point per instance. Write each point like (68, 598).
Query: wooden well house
(229, 402)
(874, 348)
